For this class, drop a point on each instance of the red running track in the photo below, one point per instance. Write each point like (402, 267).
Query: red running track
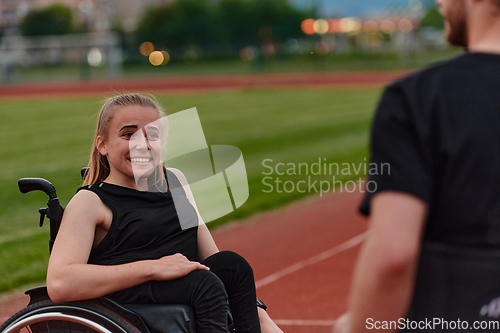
(310, 291)
(303, 257)
(197, 83)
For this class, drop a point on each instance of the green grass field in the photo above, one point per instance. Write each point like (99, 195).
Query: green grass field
(52, 139)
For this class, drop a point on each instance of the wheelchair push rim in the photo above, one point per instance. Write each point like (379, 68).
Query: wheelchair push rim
(47, 317)
(27, 323)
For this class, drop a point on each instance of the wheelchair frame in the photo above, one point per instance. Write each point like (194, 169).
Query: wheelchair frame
(100, 315)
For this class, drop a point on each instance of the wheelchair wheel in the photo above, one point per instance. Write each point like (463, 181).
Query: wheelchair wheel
(77, 317)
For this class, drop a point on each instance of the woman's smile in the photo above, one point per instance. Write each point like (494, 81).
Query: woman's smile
(141, 160)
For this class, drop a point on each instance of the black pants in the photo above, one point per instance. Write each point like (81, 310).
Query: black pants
(230, 278)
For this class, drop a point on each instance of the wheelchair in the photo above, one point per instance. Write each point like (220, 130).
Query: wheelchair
(100, 315)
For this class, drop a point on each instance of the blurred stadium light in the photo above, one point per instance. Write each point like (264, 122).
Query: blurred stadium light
(157, 58)
(379, 33)
(146, 48)
(320, 26)
(355, 25)
(95, 57)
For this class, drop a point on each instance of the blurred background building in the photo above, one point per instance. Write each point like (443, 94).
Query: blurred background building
(91, 12)
(129, 11)
(117, 33)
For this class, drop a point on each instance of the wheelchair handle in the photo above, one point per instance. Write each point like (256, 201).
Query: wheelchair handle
(37, 184)
(54, 211)
(84, 171)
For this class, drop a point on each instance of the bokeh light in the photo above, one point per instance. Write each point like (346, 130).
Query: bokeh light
(146, 48)
(405, 25)
(320, 26)
(166, 57)
(156, 58)
(387, 26)
(334, 26)
(291, 45)
(370, 26)
(95, 57)
(247, 54)
(322, 48)
(307, 26)
(350, 24)
(267, 49)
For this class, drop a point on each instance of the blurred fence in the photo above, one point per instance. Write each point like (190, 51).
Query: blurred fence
(93, 49)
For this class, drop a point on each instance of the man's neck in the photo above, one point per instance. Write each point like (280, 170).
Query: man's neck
(484, 33)
(486, 46)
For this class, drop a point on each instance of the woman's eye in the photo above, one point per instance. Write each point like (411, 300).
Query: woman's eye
(153, 136)
(127, 134)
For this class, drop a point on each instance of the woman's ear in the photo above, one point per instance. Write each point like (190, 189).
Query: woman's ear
(101, 145)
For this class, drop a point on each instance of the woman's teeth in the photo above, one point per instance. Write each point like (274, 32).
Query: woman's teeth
(140, 160)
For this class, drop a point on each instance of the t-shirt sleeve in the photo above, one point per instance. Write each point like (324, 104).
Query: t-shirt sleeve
(400, 158)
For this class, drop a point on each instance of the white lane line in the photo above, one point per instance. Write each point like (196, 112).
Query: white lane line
(293, 322)
(313, 260)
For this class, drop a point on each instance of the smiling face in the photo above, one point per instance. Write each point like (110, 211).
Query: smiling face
(455, 16)
(132, 145)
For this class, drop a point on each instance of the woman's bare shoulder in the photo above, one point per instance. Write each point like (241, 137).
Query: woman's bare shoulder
(84, 196)
(179, 175)
(88, 205)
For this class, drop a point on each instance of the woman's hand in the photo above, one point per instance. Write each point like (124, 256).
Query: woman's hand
(174, 266)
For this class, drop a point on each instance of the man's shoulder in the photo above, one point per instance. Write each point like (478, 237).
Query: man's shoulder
(419, 91)
(438, 73)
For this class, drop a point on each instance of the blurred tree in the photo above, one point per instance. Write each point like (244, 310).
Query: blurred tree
(251, 22)
(433, 18)
(227, 23)
(182, 23)
(238, 22)
(53, 20)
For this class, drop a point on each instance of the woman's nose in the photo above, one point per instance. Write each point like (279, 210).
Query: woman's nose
(140, 141)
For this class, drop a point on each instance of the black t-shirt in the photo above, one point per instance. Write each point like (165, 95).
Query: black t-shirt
(145, 225)
(436, 135)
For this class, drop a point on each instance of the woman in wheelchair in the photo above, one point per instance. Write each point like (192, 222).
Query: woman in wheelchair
(121, 237)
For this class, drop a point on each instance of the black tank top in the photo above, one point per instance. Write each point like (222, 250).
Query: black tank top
(145, 225)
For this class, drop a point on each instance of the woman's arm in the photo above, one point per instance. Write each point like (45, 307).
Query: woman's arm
(70, 278)
(206, 243)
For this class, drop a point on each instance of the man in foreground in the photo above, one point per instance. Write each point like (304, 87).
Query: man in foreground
(431, 260)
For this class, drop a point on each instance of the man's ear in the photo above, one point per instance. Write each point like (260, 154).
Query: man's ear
(101, 145)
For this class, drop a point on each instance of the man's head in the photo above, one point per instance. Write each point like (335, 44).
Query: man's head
(457, 15)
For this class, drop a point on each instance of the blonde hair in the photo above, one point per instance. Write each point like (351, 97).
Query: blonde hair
(98, 167)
